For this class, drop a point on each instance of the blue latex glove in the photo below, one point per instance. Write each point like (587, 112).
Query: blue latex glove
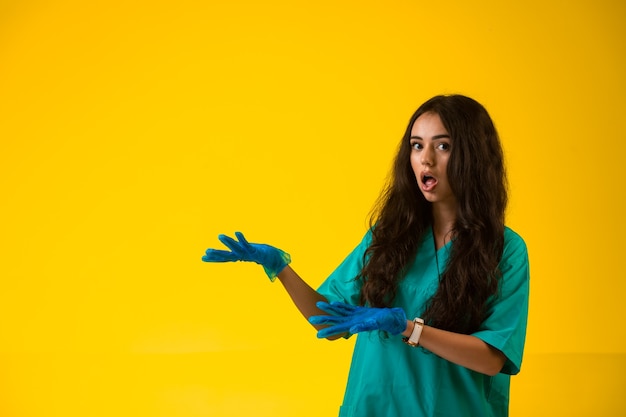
(272, 259)
(346, 318)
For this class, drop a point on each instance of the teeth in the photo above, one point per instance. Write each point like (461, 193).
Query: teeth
(428, 180)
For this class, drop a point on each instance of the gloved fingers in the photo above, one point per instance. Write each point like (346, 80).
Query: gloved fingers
(242, 240)
(333, 330)
(336, 308)
(326, 307)
(345, 309)
(231, 243)
(327, 319)
(215, 255)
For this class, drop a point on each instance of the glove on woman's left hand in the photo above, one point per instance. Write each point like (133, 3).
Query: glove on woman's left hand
(346, 318)
(273, 260)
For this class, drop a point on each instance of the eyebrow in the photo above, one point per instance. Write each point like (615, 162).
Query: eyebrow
(442, 136)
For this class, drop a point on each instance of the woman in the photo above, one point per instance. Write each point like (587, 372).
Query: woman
(438, 266)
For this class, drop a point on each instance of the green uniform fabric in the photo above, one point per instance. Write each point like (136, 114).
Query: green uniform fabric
(391, 379)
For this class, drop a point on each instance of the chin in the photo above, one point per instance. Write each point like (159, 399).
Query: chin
(430, 198)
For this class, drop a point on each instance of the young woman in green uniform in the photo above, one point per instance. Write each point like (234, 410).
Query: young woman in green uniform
(437, 289)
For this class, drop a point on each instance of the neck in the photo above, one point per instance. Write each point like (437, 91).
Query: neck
(443, 223)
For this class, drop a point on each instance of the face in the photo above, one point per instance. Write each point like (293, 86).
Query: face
(431, 145)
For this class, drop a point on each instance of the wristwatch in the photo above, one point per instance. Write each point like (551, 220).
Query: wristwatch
(414, 339)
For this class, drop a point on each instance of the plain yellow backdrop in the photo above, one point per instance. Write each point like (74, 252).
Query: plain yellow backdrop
(133, 133)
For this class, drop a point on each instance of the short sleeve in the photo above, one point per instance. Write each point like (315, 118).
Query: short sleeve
(341, 285)
(505, 325)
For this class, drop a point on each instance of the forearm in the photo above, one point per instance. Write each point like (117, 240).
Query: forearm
(302, 295)
(461, 349)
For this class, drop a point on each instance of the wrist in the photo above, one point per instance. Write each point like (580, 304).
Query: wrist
(277, 264)
(409, 328)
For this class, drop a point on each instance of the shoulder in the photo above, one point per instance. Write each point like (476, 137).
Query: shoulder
(514, 255)
(513, 242)
(367, 238)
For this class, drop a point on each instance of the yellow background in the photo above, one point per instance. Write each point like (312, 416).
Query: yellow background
(133, 132)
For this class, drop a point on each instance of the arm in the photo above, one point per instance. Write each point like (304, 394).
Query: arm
(275, 262)
(461, 349)
(498, 345)
(303, 296)
(464, 350)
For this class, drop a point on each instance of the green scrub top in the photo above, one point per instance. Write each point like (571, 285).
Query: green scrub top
(389, 378)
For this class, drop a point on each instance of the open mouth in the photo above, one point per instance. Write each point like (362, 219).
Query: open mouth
(428, 182)
(428, 179)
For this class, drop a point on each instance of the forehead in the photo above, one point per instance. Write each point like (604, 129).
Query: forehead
(428, 125)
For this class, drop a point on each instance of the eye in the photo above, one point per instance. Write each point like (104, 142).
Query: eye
(444, 146)
(416, 145)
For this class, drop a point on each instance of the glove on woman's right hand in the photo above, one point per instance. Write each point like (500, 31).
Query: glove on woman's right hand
(272, 259)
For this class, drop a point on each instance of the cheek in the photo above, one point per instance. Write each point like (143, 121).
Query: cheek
(444, 167)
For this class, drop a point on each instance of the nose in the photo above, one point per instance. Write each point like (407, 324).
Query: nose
(427, 156)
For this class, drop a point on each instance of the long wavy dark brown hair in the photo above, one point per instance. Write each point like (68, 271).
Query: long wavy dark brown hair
(402, 216)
